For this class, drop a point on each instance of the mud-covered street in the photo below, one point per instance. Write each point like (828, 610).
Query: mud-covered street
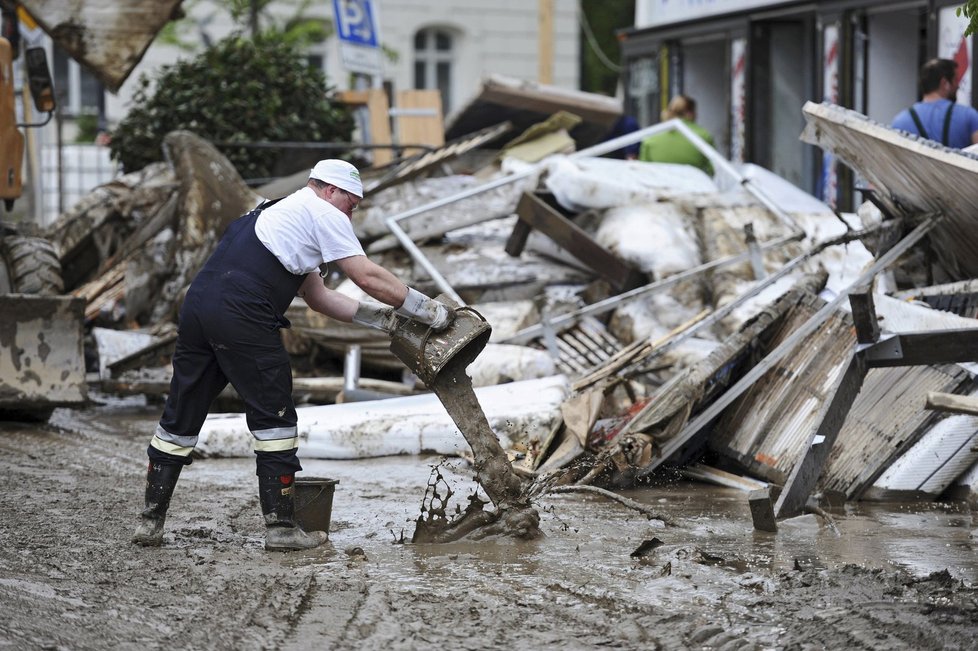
(895, 576)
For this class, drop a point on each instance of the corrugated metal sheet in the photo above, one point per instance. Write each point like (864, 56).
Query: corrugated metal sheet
(768, 427)
(766, 431)
(946, 451)
(887, 418)
(900, 316)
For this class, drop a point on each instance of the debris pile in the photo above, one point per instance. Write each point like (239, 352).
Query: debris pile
(648, 320)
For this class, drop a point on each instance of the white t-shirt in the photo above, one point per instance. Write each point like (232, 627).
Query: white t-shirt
(304, 231)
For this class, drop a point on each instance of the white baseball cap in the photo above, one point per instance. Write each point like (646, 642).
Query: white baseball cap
(339, 173)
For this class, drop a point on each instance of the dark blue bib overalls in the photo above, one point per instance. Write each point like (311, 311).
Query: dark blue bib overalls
(229, 332)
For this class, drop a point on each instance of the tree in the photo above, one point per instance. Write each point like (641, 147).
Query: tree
(970, 11)
(240, 90)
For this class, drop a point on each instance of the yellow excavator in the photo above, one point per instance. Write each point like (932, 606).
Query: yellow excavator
(41, 330)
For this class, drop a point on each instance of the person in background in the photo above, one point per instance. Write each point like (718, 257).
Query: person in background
(625, 124)
(672, 146)
(937, 116)
(229, 332)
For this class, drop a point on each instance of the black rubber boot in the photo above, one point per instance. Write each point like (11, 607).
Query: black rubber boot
(277, 497)
(161, 479)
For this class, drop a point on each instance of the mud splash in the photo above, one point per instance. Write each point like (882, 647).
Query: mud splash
(441, 359)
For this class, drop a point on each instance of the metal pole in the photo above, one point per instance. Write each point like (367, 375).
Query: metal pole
(351, 368)
(719, 162)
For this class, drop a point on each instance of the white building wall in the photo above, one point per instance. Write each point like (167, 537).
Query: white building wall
(492, 37)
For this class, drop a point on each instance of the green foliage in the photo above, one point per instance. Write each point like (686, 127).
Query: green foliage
(240, 90)
(601, 55)
(87, 125)
(970, 11)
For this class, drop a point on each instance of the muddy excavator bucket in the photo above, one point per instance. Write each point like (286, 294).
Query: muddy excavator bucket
(42, 361)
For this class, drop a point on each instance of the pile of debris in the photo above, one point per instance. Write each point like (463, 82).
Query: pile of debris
(647, 319)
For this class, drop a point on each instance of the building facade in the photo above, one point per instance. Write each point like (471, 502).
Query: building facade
(449, 45)
(752, 64)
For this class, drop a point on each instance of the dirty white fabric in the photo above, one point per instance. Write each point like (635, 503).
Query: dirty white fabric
(304, 231)
(502, 363)
(411, 425)
(656, 237)
(582, 183)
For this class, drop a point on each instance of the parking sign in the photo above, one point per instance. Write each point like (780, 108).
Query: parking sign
(356, 26)
(355, 22)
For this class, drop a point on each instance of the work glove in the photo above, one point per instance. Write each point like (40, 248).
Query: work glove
(419, 307)
(377, 316)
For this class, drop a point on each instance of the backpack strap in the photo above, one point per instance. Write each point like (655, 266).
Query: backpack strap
(947, 124)
(921, 131)
(268, 203)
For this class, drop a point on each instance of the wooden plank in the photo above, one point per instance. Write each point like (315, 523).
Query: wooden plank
(952, 403)
(911, 176)
(374, 100)
(419, 129)
(517, 239)
(537, 213)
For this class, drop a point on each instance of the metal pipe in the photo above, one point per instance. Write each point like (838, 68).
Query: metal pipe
(351, 368)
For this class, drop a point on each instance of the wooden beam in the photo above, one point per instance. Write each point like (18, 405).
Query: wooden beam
(864, 315)
(534, 212)
(924, 349)
(952, 403)
(546, 41)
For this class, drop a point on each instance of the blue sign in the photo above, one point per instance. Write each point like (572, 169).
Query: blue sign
(355, 22)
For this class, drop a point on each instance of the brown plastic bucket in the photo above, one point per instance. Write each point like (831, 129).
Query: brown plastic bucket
(314, 502)
(427, 352)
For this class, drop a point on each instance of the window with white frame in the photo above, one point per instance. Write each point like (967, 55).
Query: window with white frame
(77, 90)
(433, 57)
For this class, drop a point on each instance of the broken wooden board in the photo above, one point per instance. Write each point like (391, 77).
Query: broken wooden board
(540, 211)
(418, 119)
(374, 100)
(951, 403)
(426, 161)
(910, 176)
(107, 36)
(525, 103)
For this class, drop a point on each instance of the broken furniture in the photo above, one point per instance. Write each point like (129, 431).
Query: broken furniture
(541, 211)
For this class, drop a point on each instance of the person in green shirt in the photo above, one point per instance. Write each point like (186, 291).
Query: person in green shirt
(672, 146)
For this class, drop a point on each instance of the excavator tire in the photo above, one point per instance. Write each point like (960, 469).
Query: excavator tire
(30, 266)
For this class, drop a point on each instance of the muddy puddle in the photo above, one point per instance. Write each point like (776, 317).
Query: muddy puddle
(920, 538)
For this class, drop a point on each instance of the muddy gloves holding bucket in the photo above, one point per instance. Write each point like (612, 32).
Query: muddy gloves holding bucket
(416, 306)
